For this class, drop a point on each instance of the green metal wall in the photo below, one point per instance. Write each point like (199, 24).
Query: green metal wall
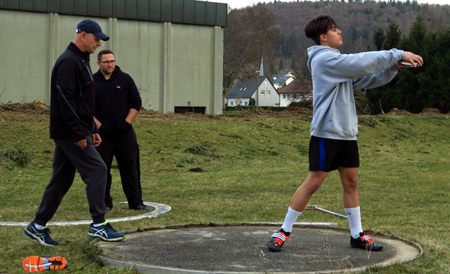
(175, 11)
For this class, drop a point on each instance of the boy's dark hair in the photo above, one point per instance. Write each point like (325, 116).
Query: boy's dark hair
(103, 52)
(318, 26)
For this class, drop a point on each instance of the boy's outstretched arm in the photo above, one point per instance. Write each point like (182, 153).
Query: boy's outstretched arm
(412, 58)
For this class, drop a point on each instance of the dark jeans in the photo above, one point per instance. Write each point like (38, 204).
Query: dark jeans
(68, 158)
(126, 149)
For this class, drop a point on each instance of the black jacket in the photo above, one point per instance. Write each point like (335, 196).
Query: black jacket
(113, 99)
(72, 96)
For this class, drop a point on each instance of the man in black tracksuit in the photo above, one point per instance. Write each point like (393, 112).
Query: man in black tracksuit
(75, 134)
(117, 103)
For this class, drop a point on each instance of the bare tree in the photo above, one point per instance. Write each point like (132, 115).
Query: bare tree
(249, 35)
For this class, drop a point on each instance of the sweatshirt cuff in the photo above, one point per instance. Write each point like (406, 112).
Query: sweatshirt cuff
(402, 55)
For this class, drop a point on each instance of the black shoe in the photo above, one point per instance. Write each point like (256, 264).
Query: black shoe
(106, 232)
(365, 242)
(142, 207)
(42, 236)
(107, 209)
(278, 239)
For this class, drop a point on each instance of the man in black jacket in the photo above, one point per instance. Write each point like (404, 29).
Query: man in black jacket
(117, 103)
(75, 134)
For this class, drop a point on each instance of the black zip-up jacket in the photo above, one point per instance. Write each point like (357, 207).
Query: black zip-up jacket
(113, 99)
(72, 96)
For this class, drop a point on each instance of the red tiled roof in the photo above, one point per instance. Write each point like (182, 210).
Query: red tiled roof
(297, 86)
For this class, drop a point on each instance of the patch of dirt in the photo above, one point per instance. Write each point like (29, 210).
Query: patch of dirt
(39, 107)
(433, 112)
(36, 107)
(429, 112)
(396, 111)
(300, 110)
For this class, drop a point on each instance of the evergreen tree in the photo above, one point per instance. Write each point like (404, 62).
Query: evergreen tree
(281, 65)
(272, 69)
(416, 35)
(294, 65)
(393, 35)
(428, 86)
(280, 46)
(417, 88)
(353, 33)
(292, 46)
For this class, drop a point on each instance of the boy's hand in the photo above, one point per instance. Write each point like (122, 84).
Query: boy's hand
(412, 58)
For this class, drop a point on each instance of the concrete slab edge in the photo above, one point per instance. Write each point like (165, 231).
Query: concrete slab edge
(144, 269)
(111, 263)
(394, 237)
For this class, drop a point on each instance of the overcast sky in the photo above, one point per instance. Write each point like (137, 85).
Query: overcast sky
(236, 4)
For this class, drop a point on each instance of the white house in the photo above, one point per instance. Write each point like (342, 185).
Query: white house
(261, 90)
(297, 91)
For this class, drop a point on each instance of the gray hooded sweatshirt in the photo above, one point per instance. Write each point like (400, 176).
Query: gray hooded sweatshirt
(334, 77)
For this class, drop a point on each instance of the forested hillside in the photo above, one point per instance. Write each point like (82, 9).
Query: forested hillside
(421, 29)
(356, 20)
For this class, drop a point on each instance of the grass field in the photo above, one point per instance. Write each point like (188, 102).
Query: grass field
(251, 165)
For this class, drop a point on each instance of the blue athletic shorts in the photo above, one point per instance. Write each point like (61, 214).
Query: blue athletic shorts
(328, 154)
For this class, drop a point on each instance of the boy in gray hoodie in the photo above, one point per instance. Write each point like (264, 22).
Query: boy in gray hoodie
(335, 124)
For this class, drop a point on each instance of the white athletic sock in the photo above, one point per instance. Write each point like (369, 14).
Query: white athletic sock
(97, 225)
(39, 227)
(354, 219)
(290, 219)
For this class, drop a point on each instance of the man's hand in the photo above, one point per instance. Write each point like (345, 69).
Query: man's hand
(98, 123)
(96, 139)
(132, 113)
(412, 58)
(81, 143)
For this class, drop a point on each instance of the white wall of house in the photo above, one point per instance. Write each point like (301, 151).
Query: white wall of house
(234, 102)
(287, 99)
(267, 95)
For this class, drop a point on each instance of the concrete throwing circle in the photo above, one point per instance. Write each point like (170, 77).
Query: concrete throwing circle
(160, 209)
(242, 249)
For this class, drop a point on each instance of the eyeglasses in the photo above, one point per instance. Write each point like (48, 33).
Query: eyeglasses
(108, 62)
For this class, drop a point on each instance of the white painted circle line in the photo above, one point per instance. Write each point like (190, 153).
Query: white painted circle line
(160, 209)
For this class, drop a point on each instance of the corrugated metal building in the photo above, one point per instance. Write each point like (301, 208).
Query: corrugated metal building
(173, 49)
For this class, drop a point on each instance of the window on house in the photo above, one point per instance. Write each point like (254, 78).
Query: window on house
(268, 92)
(284, 96)
(231, 103)
(262, 92)
(246, 103)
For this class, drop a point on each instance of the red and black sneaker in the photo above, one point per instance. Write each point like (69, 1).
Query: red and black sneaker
(38, 264)
(365, 242)
(278, 239)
